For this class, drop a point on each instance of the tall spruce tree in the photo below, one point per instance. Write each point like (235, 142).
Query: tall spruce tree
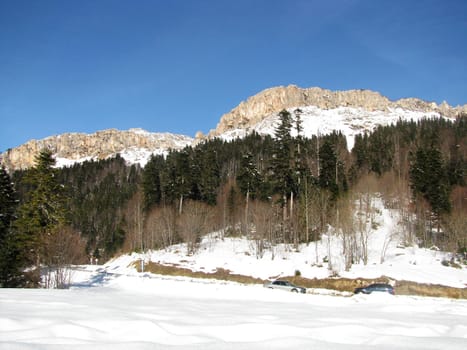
(8, 203)
(429, 178)
(10, 265)
(328, 169)
(42, 214)
(283, 157)
(151, 179)
(248, 178)
(209, 180)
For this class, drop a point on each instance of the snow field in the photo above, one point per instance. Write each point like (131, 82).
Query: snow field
(113, 307)
(156, 312)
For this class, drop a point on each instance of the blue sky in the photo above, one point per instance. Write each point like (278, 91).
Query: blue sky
(177, 66)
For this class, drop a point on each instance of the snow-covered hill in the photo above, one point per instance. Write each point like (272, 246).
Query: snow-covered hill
(113, 306)
(350, 121)
(239, 255)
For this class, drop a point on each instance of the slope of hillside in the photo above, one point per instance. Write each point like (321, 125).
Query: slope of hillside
(317, 260)
(349, 121)
(113, 306)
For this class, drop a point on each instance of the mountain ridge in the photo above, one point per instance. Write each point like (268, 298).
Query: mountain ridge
(351, 111)
(75, 147)
(273, 100)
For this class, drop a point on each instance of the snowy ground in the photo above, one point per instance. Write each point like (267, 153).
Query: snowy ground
(111, 311)
(114, 307)
(350, 121)
(240, 256)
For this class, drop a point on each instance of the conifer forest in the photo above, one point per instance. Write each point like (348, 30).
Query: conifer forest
(271, 189)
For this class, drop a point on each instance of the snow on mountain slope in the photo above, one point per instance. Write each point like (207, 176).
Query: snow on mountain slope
(132, 155)
(350, 121)
(239, 255)
(324, 111)
(134, 145)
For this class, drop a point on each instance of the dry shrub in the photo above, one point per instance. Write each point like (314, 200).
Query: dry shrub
(219, 274)
(430, 290)
(339, 284)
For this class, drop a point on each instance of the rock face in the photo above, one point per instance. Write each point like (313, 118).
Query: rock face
(271, 101)
(100, 145)
(248, 114)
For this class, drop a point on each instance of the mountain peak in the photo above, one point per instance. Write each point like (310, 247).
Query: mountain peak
(271, 101)
(135, 145)
(351, 112)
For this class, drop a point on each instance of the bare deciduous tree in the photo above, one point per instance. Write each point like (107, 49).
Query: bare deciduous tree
(388, 239)
(319, 215)
(193, 223)
(134, 214)
(265, 220)
(365, 193)
(346, 229)
(161, 227)
(456, 227)
(63, 249)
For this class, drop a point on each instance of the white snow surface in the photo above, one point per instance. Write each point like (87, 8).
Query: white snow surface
(112, 306)
(239, 255)
(111, 311)
(351, 121)
(136, 155)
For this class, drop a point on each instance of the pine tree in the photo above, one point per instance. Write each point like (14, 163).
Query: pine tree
(429, 178)
(282, 157)
(209, 180)
(177, 177)
(248, 178)
(8, 203)
(10, 266)
(43, 213)
(328, 169)
(152, 181)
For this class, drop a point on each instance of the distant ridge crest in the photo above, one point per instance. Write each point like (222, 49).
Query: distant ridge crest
(272, 100)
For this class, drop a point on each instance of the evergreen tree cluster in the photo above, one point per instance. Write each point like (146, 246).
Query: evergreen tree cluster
(285, 188)
(98, 192)
(10, 273)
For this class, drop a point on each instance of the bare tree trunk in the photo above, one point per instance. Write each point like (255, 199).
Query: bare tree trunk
(180, 207)
(247, 203)
(307, 215)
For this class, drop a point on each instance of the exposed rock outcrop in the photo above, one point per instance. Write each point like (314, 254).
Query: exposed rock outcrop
(247, 115)
(250, 112)
(100, 145)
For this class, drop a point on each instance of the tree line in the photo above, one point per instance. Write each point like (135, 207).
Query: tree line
(282, 189)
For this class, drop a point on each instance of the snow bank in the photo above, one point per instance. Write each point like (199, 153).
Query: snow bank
(113, 311)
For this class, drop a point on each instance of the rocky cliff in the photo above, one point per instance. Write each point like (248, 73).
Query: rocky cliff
(364, 107)
(100, 145)
(271, 101)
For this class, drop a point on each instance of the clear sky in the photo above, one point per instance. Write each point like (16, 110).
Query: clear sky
(178, 65)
